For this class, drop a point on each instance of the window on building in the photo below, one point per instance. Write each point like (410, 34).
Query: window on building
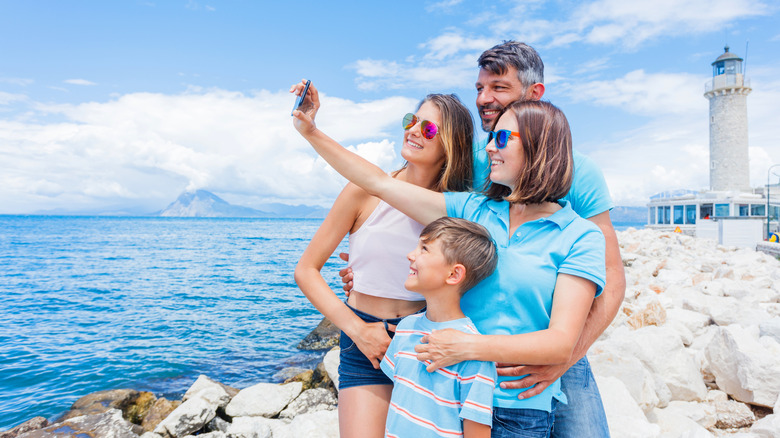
(679, 214)
(667, 214)
(690, 214)
(705, 211)
(651, 215)
(774, 212)
(757, 210)
(722, 210)
(744, 210)
(660, 216)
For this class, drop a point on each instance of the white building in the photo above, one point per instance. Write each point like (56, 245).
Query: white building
(730, 211)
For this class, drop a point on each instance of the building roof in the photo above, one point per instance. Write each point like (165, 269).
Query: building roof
(726, 55)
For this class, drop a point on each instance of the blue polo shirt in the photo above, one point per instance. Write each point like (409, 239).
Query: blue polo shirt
(588, 195)
(520, 291)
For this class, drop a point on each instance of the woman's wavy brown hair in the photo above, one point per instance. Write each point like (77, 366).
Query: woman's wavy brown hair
(548, 166)
(457, 135)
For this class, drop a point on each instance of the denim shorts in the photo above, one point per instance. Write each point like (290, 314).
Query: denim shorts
(584, 415)
(354, 367)
(523, 423)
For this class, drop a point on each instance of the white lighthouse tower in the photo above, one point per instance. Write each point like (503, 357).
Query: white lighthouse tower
(727, 93)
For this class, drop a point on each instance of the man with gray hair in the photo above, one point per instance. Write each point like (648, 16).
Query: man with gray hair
(514, 71)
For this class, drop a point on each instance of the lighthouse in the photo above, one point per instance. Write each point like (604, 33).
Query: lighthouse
(730, 211)
(727, 93)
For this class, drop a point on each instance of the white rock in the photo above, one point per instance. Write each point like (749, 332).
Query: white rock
(320, 424)
(694, 321)
(702, 413)
(674, 424)
(109, 424)
(767, 427)
(637, 379)
(625, 418)
(731, 414)
(204, 382)
(744, 368)
(252, 427)
(771, 328)
(717, 395)
(661, 351)
(212, 434)
(331, 362)
(192, 414)
(311, 400)
(263, 400)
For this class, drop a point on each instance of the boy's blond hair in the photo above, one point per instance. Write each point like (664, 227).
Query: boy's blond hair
(466, 243)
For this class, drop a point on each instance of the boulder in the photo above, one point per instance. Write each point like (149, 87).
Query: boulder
(263, 400)
(204, 382)
(316, 378)
(325, 336)
(320, 424)
(730, 414)
(194, 413)
(312, 400)
(133, 404)
(331, 363)
(109, 424)
(625, 418)
(767, 427)
(637, 379)
(253, 427)
(653, 313)
(28, 426)
(743, 367)
(770, 328)
(675, 424)
(661, 351)
(157, 413)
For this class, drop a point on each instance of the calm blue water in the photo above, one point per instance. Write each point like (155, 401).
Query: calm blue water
(94, 303)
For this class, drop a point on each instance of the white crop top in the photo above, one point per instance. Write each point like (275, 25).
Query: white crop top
(377, 253)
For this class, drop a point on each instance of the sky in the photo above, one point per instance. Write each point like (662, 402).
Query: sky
(121, 106)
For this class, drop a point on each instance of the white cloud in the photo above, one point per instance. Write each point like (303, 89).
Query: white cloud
(17, 81)
(633, 23)
(450, 58)
(643, 93)
(79, 82)
(9, 98)
(146, 148)
(442, 6)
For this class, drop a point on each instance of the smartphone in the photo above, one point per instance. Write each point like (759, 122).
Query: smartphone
(299, 99)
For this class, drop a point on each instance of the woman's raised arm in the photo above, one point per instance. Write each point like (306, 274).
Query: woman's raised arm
(420, 204)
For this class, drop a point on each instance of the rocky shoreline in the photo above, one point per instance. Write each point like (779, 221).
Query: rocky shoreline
(693, 352)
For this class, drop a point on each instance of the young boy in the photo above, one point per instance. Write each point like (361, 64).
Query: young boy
(452, 256)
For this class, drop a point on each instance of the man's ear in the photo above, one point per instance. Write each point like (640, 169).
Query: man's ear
(457, 274)
(535, 91)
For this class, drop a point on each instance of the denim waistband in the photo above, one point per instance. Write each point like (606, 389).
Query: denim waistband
(371, 318)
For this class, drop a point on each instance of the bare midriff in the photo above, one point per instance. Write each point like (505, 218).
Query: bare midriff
(384, 308)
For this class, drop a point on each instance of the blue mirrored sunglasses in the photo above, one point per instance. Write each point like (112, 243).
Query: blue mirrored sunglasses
(502, 137)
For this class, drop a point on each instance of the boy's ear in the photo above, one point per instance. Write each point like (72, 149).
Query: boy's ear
(457, 274)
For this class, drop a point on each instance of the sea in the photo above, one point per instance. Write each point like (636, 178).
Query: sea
(149, 303)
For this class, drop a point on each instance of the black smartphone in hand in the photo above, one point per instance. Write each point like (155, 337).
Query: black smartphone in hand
(299, 99)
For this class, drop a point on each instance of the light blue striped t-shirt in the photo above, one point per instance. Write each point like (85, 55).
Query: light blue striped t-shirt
(434, 404)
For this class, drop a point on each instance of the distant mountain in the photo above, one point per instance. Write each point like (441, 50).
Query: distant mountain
(629, 214)
(202, 203)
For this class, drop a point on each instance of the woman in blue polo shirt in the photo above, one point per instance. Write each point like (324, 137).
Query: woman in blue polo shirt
(551, 261)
